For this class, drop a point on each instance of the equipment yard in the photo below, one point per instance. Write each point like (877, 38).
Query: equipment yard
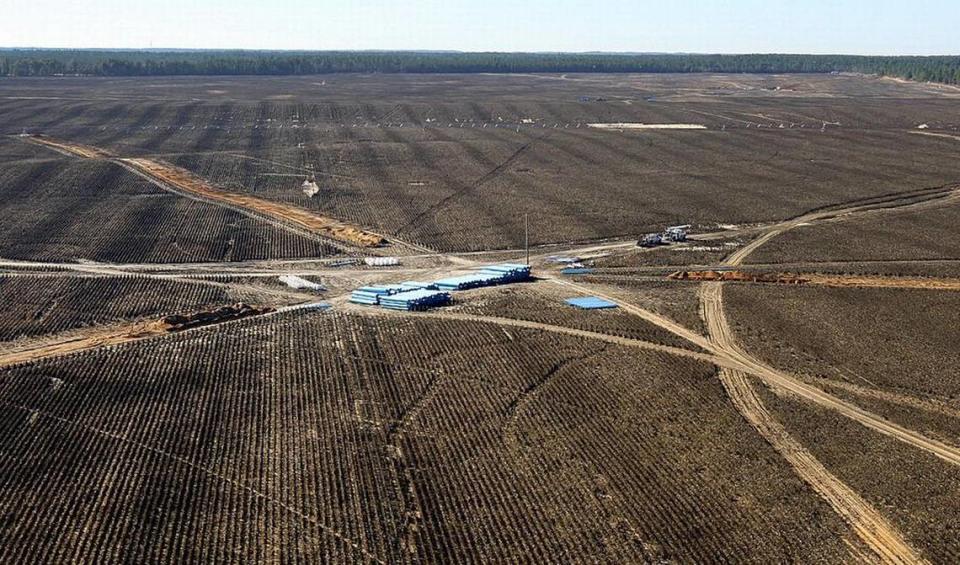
(501, 318)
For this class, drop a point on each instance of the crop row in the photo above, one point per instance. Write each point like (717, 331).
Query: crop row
(469, 189)
(469, 98)
(37, 305)
(67, 210)
(329, 437)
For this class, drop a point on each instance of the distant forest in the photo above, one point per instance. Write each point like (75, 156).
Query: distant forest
(55, 62)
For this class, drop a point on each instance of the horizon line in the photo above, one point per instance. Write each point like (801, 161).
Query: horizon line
(460, 52)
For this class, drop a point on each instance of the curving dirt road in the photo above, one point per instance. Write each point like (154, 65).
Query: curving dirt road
(910, 200)
(879, 535)
(888, 544)
(712, 303)
(526, 324)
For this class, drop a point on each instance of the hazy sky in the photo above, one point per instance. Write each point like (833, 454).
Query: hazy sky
(919, 27)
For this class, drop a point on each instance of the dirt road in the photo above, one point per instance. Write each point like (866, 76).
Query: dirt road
(511, 322)
(187, 182)
(726, 345)
(910, 200)
(935, 134)
(868, 524)
(888, 544)
(182, 182)
(72, 342)
(884, 540)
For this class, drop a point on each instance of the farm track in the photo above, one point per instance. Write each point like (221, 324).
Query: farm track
(935, 134)
(863, 281)
(909, 201)
(81, 270)
(76, 341)
(879, 535)
(526, 324)
(934, 406)
(737, 367)
(725, 352)
(801, 266)
(870, 526)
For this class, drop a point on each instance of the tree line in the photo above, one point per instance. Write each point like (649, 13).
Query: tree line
(55, 62)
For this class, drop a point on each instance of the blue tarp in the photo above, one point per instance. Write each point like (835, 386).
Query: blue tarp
(590, 302)
(576, 271)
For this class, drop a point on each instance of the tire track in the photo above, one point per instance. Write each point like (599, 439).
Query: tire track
(927, 405)
(870, 526)
(510, 322)
(487, 177)
(880, 536)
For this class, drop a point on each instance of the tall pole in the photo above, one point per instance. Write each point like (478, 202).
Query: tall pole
(526, 237)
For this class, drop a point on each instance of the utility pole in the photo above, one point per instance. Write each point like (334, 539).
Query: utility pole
(526, 237)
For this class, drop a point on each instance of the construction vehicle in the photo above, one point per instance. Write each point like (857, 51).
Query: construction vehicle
(676, 234)
(650, 240)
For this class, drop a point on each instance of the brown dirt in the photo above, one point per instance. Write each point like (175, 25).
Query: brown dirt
(510, 322)
(919, 199)
(93, 338)
(183, 180)
(237, 311)
(882, 537)
(869, 524)
(80, 341)
(187, 182)
(872, 528)
(885, 282)
(75, 149)
(738, 276)
(934, 134)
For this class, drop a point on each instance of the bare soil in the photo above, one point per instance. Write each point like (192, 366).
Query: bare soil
(397, 446)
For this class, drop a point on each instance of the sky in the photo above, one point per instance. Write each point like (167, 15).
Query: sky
(867, 27)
